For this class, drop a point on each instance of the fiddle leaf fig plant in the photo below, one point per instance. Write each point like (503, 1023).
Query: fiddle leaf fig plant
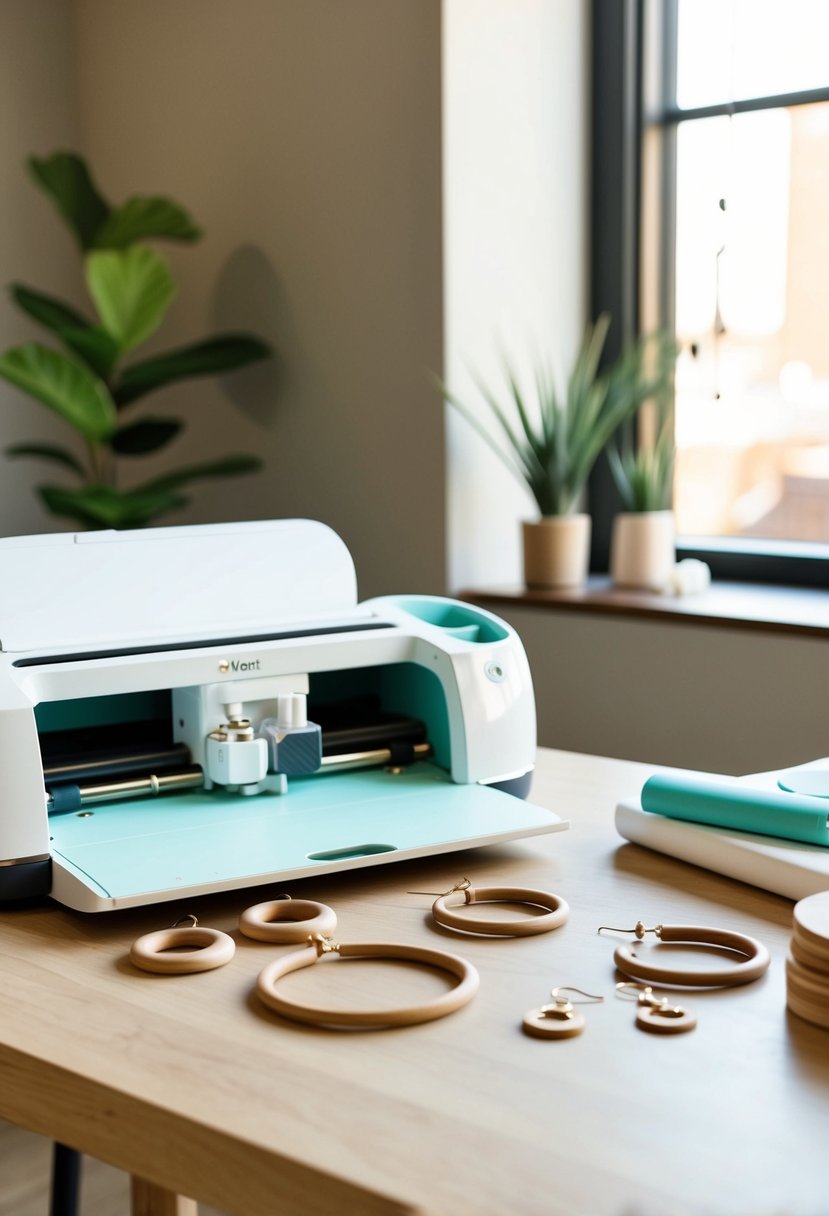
(86, 382)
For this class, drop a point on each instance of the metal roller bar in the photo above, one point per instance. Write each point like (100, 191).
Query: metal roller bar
(116, 765)
(377, 756)
(68, 797)
(65, 798)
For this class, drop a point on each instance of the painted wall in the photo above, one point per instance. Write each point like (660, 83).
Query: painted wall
(718, 700)
(305, 138)
(37, 112)
(516, 221)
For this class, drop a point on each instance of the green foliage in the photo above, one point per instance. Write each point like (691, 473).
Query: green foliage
(65, 178)
(141, 219)
(76, 394)
(131, 288)
(551, 440)
(224, 354)
(643, 465)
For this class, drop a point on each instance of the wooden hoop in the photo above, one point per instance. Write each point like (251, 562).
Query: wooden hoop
(267, 922)
(427, 1012)
(755, 960)
(559, 910)
(669, 1019)
(553, 1022)
(214, 950)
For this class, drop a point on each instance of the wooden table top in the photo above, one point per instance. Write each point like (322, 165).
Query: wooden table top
(187, 1081)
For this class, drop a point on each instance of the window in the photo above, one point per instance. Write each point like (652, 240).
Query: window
(725, 173)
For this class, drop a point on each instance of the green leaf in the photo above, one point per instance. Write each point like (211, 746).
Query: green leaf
(101, 506)
(227, 466)
(66, 178)
(65, 387)
(94, 345)
(48, 451)
(91, 342)
(224, 353)
(132, 289)
(140, 219)
(46, 310)
(148, 435)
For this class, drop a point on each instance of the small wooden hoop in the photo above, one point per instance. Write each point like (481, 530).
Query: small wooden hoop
(445, 1004)
(214, 950)
(755, 960)
(559, 910)
(668, 1019)
(268, 922)
(553, 1022)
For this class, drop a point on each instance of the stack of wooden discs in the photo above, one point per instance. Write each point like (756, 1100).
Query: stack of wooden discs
(807, 967)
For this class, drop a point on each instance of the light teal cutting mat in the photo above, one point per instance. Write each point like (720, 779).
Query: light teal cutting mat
(183, 844)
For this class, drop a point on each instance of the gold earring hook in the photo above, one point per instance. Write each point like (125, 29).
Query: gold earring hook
(592, 996)
(643, 994)
(193, 921)
(639, 929)
(562, 1007)
(464, 885)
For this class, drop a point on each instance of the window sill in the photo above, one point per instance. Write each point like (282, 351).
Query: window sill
(750, 606)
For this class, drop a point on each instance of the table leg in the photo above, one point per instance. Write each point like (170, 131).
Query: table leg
(151, 1200)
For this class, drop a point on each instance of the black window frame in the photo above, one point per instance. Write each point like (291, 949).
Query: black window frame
(628, 94)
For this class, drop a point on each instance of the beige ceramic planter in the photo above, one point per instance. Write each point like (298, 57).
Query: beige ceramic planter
(556, 551)
(643, 550)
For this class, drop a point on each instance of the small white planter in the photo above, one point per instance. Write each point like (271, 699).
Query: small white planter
(643, 550)
(556, 551)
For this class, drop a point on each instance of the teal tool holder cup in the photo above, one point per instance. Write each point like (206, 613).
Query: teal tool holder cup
(726, 804)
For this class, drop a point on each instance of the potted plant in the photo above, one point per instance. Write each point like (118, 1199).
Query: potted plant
(86, 383)
(643, 537)
(552, 443)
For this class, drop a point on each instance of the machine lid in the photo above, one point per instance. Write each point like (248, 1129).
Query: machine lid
(74, 590)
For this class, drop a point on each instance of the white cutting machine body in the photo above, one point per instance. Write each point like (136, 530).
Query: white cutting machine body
(195, 709)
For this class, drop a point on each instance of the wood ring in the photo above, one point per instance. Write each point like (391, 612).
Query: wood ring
(550, 1023)
(286, 921)
(558, 912)
(447, 1003)
(214, 949)
(754, 963)
(669, 1019)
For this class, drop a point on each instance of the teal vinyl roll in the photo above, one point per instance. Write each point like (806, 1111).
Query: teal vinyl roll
(733, 805)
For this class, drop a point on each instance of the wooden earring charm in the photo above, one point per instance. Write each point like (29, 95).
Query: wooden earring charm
(459, 969)
(752, 957)
(655, 1014)
(555, 916)
(285, 921)
(558, 1020)
(159, 952)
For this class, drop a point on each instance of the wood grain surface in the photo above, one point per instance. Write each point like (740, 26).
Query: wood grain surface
(187, 1082)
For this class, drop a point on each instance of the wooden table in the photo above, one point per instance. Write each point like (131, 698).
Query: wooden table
(188, 1083)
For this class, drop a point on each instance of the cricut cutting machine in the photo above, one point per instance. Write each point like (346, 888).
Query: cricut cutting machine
(185, 710)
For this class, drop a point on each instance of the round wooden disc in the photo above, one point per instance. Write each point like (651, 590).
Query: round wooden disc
(811, 922)
(809, 958)
(806, 1010)
(656, 1021)
(544, 1026)
(810, 985)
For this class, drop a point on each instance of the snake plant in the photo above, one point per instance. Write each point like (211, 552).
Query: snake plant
(549, 439)
(643, 465)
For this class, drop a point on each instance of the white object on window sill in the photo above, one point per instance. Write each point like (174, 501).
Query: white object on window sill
(689, 577)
